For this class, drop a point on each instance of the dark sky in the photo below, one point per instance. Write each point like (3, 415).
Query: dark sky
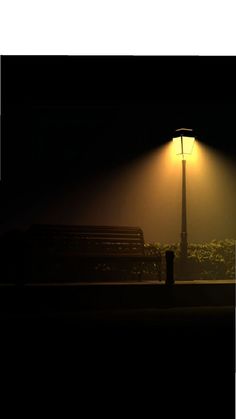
(66, 120)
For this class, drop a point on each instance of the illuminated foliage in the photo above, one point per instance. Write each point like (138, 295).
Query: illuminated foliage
(209, 260)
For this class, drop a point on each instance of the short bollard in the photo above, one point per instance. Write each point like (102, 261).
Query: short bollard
(170, 267)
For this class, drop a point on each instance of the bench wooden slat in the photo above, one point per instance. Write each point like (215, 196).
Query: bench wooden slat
(94, 251)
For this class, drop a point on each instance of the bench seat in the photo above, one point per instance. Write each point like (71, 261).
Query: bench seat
(64, 253)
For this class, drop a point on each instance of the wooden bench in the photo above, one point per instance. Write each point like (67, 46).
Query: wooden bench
(68, 253)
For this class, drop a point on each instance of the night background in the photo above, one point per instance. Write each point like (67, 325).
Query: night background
(75, 123)
(77, 136)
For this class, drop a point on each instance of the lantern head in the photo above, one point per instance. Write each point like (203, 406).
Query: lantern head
(183, 141)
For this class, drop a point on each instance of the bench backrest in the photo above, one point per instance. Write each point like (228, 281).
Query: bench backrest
(105, 240)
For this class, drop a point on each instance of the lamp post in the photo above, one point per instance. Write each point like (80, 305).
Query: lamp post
(183, 141)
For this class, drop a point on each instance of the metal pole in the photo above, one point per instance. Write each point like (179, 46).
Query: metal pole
(184, 243)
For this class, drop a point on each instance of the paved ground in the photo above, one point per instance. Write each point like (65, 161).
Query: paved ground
(196, 338)
(142, 326)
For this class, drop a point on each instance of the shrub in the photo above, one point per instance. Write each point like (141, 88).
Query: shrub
(208, 260)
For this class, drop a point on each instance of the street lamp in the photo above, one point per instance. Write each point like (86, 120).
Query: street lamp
(183, 140)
